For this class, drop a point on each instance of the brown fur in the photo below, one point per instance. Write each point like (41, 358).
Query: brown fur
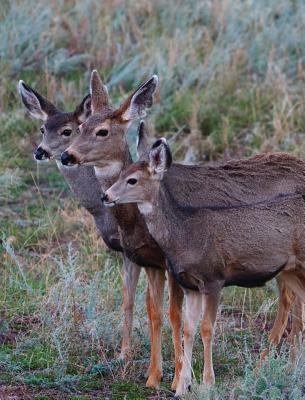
(137, 243)
(85, 186)
(240, 225)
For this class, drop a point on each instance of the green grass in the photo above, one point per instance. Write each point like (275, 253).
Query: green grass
(231, 85)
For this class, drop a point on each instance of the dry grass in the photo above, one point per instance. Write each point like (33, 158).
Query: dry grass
(231, 84)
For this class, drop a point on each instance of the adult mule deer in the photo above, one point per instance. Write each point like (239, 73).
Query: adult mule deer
(216, 232)
(58, 130)
(101, 136)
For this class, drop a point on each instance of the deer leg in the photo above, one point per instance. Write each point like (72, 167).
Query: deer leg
(149, 322)
(297, 320)
(176, 295)
(286, 298)
(131, 276)
(156, 281)
(193, 308)
(296, 329)
(295, 282)
(210, 307)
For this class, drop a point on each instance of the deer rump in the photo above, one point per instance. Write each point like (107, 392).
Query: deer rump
(235, 245)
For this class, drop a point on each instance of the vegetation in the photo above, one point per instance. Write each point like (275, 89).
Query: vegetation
(231, 85)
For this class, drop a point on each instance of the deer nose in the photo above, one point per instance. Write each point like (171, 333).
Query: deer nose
(67, 159)
(41, 154)
(105, 198)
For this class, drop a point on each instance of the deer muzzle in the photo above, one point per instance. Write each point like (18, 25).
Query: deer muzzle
(68, 159)
(107, 200)
(41, 154)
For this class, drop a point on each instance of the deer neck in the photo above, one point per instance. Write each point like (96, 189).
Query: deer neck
(109, 173)
(155, 213)
(84, 185)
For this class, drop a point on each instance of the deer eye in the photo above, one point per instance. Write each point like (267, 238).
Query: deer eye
(42, 130)
(132, 181)
(66, 132)
(102, 132)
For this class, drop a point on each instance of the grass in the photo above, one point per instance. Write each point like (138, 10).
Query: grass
(231, 85)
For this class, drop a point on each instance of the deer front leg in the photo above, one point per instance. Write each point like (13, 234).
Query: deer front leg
(156, 281)
(193, 308)
(131, 273)
(210, 307)
(176, 295)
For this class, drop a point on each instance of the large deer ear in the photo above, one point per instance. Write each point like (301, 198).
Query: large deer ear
(134, 107)
(83, 110)
(160, 158)
(38, 106)
(99, 93)
(143, 141)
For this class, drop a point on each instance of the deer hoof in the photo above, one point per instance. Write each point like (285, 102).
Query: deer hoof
(154, 380)
(209, 378)
(183, 386)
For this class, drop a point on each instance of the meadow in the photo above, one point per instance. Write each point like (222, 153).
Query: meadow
(232, 84)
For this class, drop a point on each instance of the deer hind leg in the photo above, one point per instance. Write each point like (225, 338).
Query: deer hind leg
(210, 307)
(296, 329)
(286, 298)
(295, 281)
(156, 281)
(193, 309)
(131, 273)
(297, 321)
(176, 296)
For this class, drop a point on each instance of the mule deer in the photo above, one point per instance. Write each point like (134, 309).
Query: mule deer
(102, 143)
(103, 127)
(58, 130)
(216, 231)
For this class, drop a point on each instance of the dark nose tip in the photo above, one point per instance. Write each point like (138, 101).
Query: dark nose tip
(67, 159)
(41, 154)
(105, 198)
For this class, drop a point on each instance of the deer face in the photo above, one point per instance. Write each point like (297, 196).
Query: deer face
(102, 140)
(58, 128)
(139, 183)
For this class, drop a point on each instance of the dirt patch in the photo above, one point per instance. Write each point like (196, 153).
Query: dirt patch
(23, 392)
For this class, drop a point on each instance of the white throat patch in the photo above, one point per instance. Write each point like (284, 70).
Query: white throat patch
(108, 171)
(145, 208)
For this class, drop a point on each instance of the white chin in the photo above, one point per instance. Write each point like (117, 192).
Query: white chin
(42, 161)
(71, 166)
(109, 205)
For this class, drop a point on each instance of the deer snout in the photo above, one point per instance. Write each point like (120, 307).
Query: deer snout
(41, 154)
(104, 197)
(108, 200)
(68, 159)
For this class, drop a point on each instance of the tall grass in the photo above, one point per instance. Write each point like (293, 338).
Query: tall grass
(223, 65)
(231, 84)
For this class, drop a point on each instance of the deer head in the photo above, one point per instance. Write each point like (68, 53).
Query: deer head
(139, 183)
(102, 139)
(59, 128)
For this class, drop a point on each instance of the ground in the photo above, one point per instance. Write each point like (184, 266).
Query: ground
(231, 85)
